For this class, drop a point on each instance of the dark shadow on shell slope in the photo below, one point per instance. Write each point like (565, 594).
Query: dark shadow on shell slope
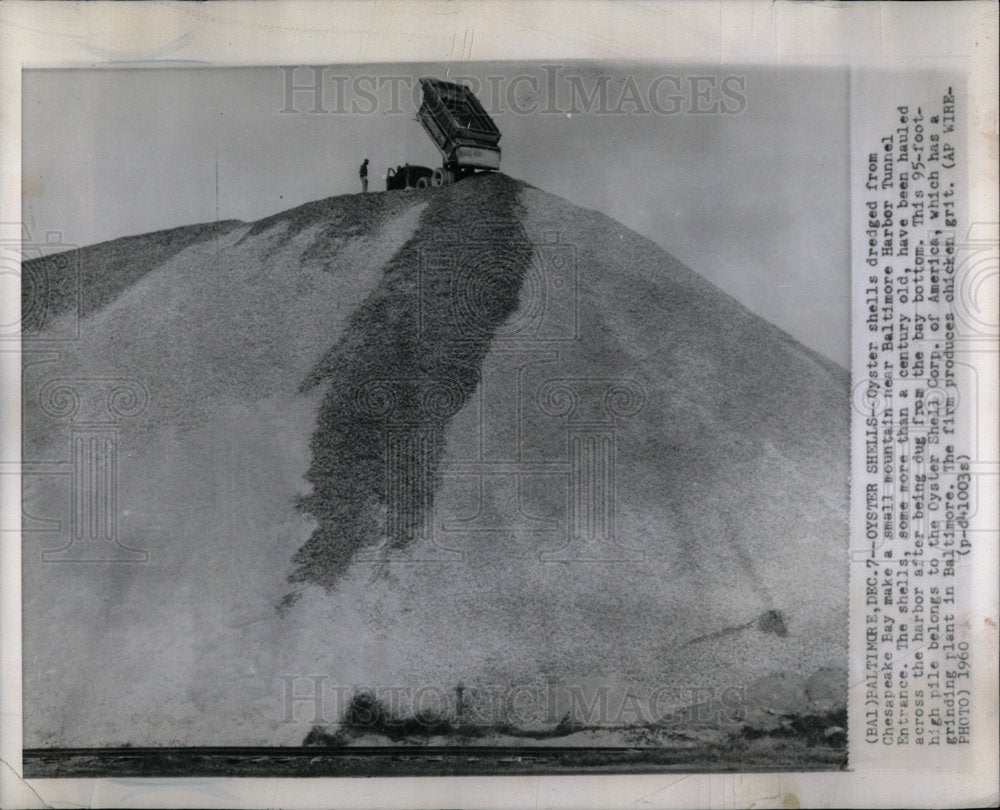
(90, 278)
(408, 360)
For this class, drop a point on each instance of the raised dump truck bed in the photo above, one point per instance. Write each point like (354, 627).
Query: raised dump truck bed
(460, 128)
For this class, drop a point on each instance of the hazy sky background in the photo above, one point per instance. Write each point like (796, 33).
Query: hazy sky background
(757, 202)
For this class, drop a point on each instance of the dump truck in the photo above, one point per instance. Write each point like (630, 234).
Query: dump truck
(461, 129)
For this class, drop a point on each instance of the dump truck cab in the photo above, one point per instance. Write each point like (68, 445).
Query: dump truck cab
(408, 176)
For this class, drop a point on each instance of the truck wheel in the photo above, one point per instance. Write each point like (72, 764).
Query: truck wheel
(442, 177)
(422, 183)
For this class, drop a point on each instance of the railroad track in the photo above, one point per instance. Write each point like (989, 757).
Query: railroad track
(486, 751)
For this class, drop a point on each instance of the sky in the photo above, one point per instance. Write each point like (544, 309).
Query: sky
(741, 173)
